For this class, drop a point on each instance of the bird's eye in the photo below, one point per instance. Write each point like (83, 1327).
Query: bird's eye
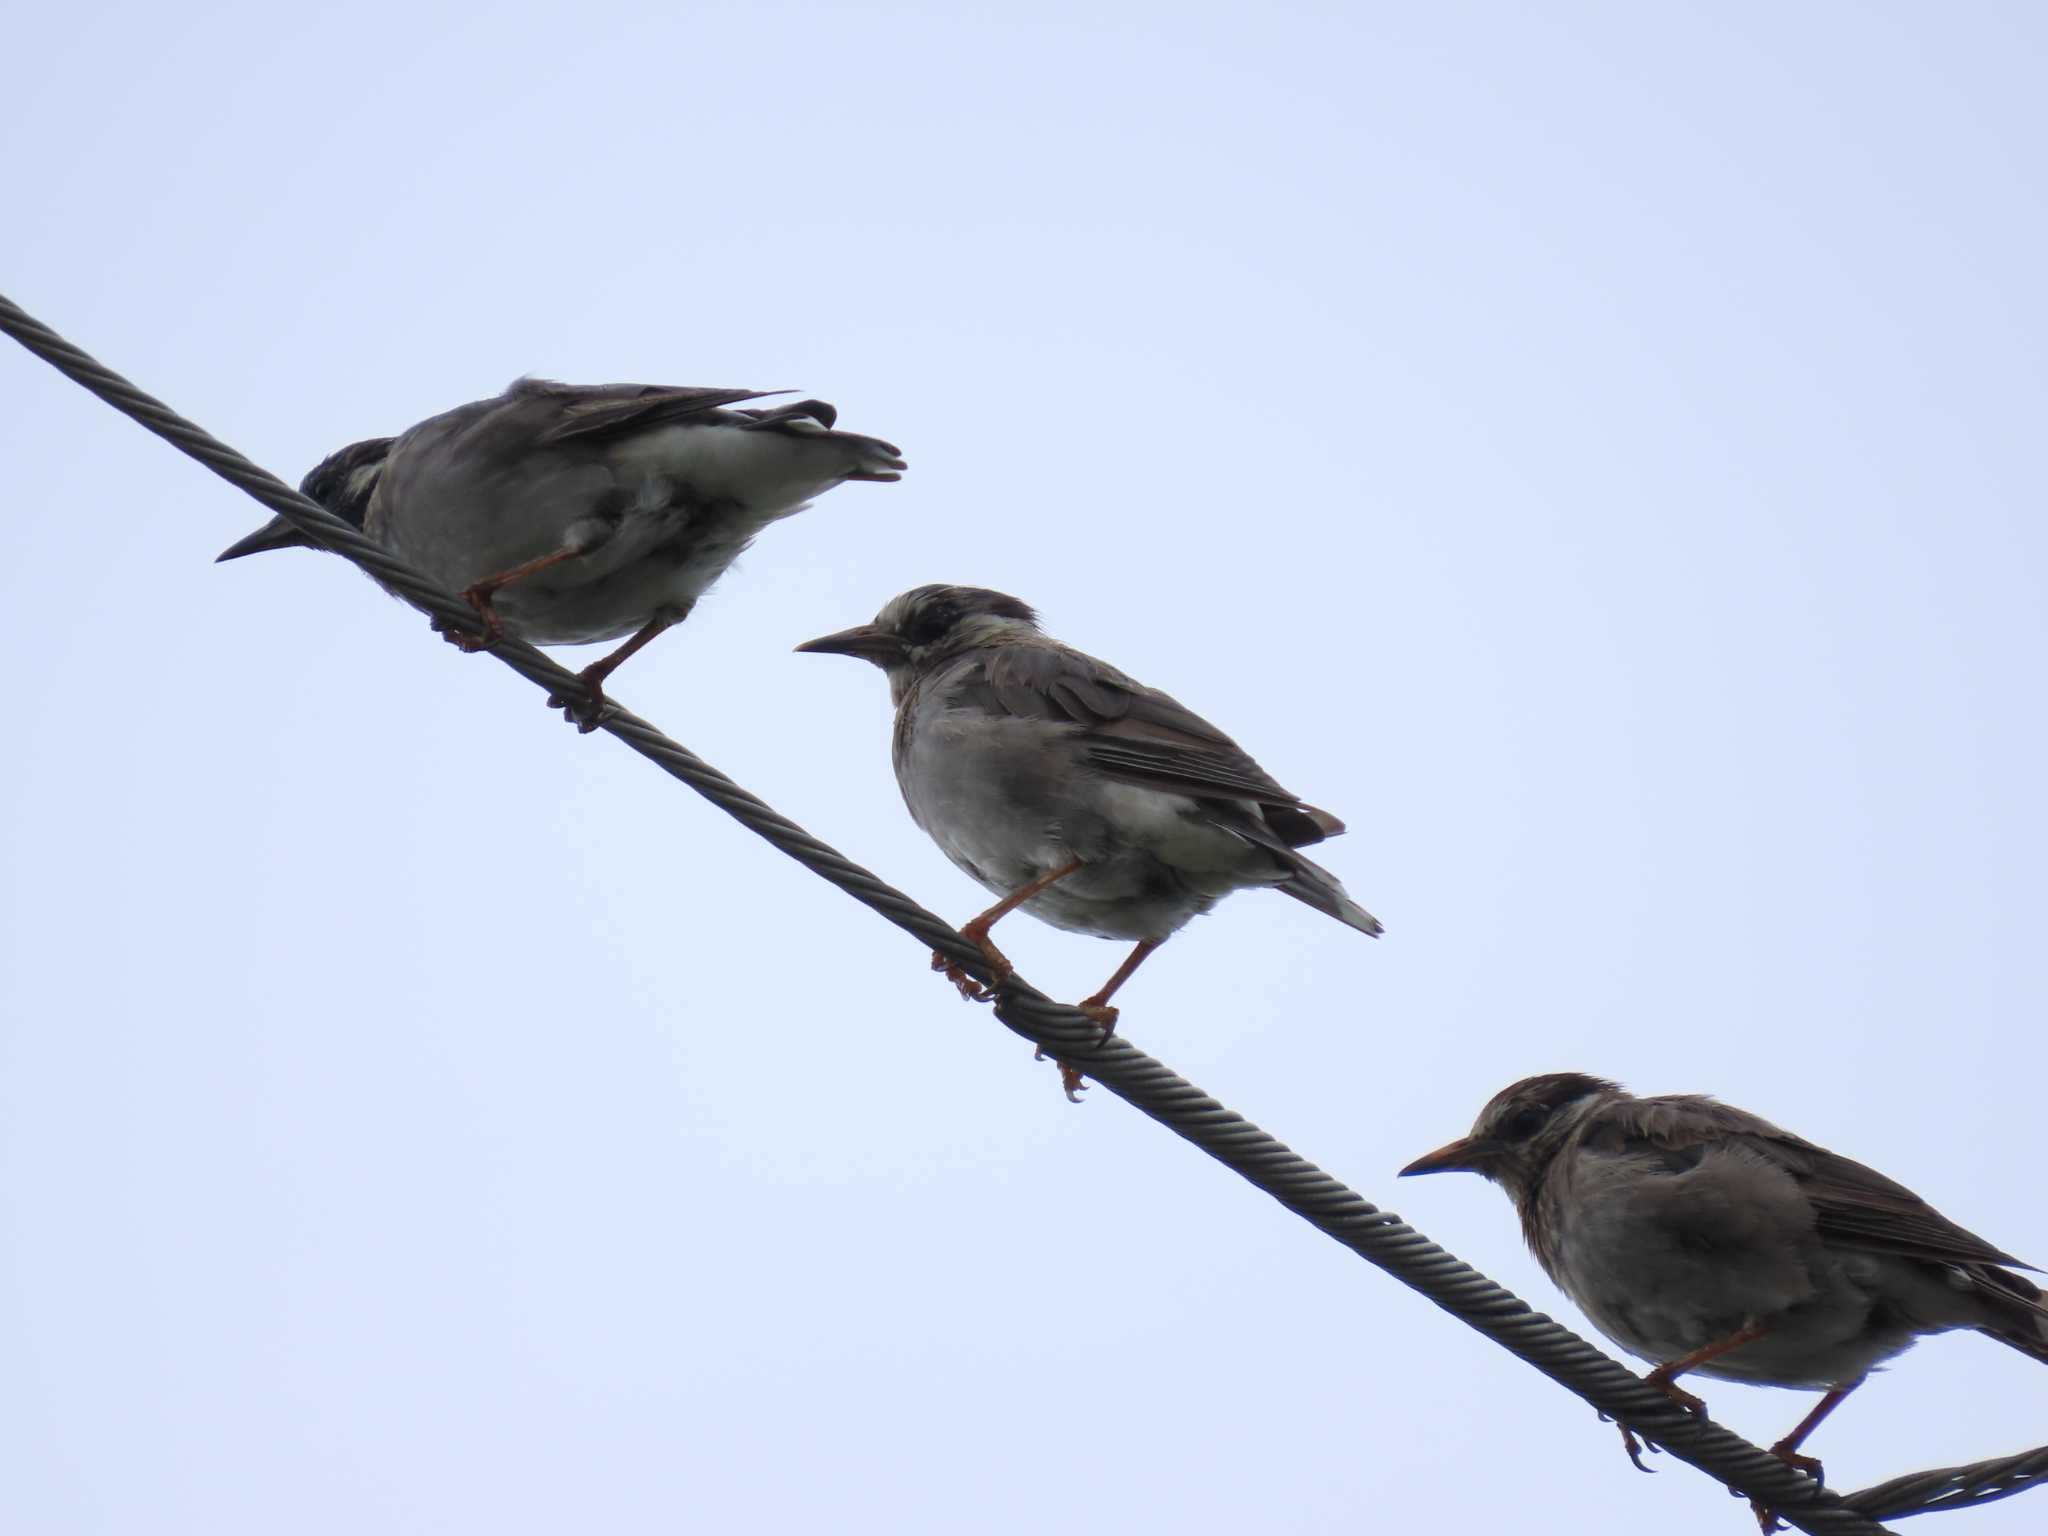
(928, 624)
(1523, 1124)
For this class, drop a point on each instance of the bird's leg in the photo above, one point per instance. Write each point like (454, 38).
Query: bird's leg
(1097, 1007)
(1787, 1449)
(975, 931)
(1664, 1377)
(589, 713)
(478, 595)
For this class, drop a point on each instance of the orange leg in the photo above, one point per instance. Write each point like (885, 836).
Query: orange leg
(1664, 1379)
(1787, 1449)
(1097, 1007)
(976, 930)
(589, 714)
(478, 595)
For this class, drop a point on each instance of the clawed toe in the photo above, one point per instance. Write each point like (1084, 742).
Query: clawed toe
(970, 989)
(465, 642)
(1070, 1076)
(1678, 1395)
(479, 598)
(588, 712)
(1810, 1465)
(1103, 1015)
(1634, 1447)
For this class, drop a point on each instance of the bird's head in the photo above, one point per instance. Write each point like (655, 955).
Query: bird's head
(1520, 1130)
(925, 626)
(343, 483)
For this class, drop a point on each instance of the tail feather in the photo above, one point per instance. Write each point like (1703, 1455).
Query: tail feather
(2026, 1344)
(873, 459)
(1314, 886)
(2019, 1315)
(878, 460)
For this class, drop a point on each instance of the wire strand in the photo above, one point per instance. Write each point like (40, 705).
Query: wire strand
(1148, 1085)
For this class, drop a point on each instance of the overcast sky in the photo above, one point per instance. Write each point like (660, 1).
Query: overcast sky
(1593, 449)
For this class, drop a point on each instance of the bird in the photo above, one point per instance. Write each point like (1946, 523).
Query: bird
(1702, 1238)
(1071, 791)
(567, 514)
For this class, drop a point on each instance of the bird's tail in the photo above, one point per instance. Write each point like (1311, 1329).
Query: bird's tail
(870, 458)
(1315, 886)
(2019, 1315)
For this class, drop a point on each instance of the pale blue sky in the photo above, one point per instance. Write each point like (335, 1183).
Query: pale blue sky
(1593, 449)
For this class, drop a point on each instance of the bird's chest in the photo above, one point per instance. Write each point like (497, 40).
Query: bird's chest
(988, 791)
(1004, 800)
(1664, 1264)
(1641, 1287)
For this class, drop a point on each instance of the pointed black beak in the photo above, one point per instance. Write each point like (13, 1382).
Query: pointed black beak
(1465, 1155)
(863, 640)
(275, 534)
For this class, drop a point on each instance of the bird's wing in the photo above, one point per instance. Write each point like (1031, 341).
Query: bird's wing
(1137, 734)
(1853, 1206)
(812, 414)
(591, 412)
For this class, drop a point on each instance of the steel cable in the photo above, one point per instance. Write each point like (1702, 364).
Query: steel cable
(1148, 1085)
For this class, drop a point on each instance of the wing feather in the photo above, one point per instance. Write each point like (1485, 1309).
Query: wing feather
(1854, 1206)
(1136, 734)
(590, 412)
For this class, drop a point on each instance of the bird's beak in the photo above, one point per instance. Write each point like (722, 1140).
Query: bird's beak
(275, 534)
(1468, 1154)
(863, 640)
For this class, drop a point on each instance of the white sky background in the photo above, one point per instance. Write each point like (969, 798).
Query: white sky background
(1597, 455)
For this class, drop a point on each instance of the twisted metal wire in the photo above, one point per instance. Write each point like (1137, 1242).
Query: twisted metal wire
(1148, 1085)
(1924, 1493)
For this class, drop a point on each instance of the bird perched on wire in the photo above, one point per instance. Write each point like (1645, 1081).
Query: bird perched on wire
(568, 514)
(1092, 802)
(1703, 1238)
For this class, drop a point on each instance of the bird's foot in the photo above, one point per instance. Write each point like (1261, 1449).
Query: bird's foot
(1660, 1378)
(1070, 1076)
(1102, 1014)
(1635, 1447)
(479, 598)
(1810, 1465)
(593, 708)
(462, 639)
(976, 933)
(970, 989)
(1767, 1519)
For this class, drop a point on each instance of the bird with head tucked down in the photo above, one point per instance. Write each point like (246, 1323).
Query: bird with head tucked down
(569, 514)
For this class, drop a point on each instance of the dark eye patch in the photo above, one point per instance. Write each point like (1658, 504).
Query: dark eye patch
(929, 622)
(1524, 1123)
